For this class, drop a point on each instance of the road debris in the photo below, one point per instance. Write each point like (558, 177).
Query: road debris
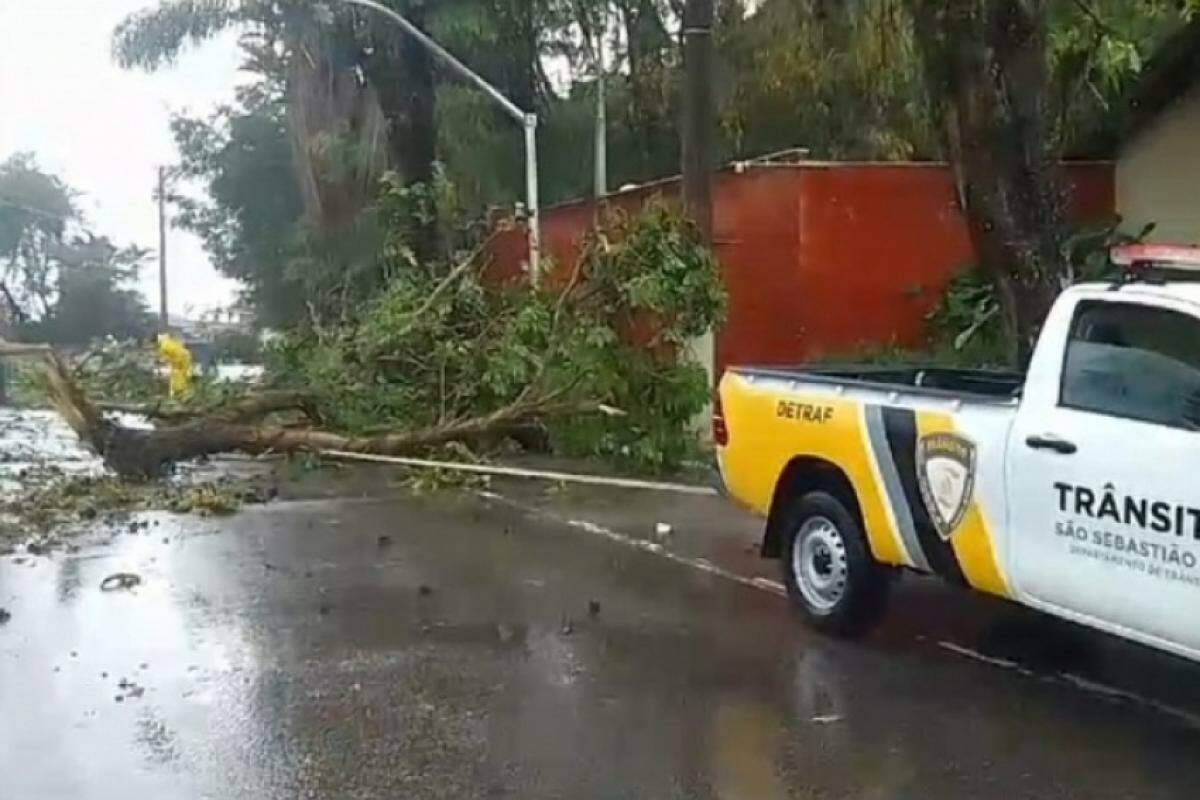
(5, 616)
(49, 508)
(130, 690)
(120, 580)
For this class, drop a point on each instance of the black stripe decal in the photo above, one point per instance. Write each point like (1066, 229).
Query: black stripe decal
(892, 488)
(900, 425)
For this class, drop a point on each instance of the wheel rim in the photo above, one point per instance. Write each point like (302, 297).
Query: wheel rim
(819, 563)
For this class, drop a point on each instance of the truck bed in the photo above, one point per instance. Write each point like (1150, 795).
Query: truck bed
(940, 381)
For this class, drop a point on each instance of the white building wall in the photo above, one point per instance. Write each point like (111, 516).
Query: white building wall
(1158, 176)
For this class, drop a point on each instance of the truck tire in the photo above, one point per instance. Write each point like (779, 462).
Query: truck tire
(828, 569)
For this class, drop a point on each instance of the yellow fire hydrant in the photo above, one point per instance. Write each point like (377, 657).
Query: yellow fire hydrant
(179, 359)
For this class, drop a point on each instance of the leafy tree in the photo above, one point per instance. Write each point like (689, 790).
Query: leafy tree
(334, 120)
(992, 67)
(60, 283)
(250, 219)
(355, 96)
(869, 79)
(1001, 89)
(989, 76)
(36, 209)
(93, 298)
(841, 80)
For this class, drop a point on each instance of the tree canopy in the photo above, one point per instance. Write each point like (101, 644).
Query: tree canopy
(339, 96)
(61, 283)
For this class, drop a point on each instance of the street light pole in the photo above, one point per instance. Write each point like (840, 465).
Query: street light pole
(600, 132)
(528, 121)
(533, 221)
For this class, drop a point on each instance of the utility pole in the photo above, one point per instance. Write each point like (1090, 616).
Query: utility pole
(696, 127)
(163, 320)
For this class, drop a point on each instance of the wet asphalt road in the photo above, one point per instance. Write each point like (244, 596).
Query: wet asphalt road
(516, 646)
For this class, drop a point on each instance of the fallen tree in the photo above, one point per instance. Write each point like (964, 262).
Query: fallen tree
(136, 452)
(439, 357)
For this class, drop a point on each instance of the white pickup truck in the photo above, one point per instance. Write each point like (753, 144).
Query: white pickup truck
(1074, 489)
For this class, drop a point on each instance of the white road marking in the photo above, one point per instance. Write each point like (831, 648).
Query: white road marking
(1077, 682)
(776, 588)
(1129, 697)
(827, 719)
(701, 564)
(977, 656)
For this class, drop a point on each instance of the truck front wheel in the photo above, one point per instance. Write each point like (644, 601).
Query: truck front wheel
(828, 568)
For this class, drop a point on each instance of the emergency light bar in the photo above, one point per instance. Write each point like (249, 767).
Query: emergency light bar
(1169, 256)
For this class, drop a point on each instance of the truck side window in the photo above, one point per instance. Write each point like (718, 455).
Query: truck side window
(1134, 361)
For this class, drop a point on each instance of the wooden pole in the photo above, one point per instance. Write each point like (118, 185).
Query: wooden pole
(600, 156)
(163, 319)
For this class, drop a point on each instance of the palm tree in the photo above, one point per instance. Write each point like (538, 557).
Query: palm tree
(358, 101)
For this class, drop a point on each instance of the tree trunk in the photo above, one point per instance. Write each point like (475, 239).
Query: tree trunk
(986, 62)
(524, 79)
(647, 40)
(233, 427)
(401, 70)
(10, 317)
(138, 453)
(326, 100)
(416, 149)
(696, 127)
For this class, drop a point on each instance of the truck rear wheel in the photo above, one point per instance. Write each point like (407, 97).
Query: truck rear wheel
(828, 568)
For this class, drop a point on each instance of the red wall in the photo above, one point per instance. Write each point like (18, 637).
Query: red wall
(563, 229)
(819, 259)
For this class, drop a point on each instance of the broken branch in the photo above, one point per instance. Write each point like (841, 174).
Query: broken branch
(145, 453)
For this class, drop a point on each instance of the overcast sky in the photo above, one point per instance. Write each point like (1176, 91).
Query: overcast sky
(104, 130)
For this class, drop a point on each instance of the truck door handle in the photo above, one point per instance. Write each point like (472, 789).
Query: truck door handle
(1050, 442)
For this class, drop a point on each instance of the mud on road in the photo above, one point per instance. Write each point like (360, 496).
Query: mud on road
(352, 640)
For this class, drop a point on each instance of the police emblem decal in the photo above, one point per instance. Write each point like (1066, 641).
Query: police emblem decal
(946, 475)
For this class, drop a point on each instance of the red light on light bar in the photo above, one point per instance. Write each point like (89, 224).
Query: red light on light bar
(1127, 255)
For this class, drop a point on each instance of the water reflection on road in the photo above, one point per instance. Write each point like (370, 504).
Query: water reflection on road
(288, 652)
